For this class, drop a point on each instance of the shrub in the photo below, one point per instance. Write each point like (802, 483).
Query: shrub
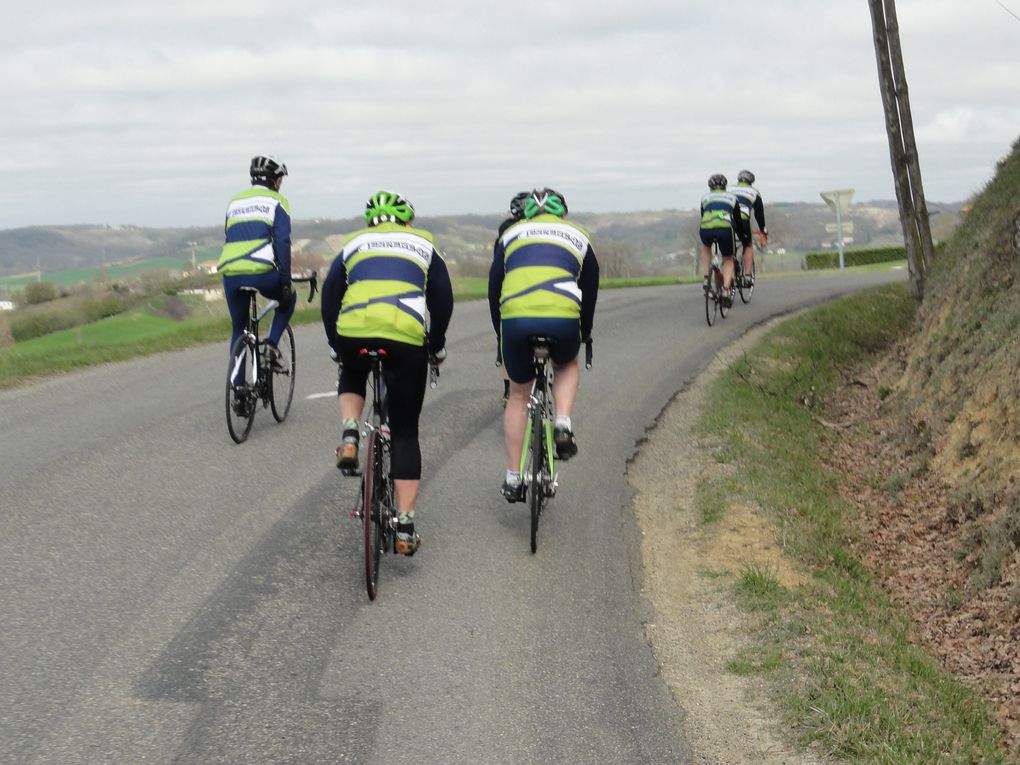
(815, 260)
(39, 292)
(38, 323)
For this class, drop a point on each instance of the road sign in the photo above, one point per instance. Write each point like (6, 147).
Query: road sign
(833, 228)
(842, 197)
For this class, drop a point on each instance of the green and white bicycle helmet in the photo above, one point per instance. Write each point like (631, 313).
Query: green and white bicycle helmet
(388, 207)
(545, 201)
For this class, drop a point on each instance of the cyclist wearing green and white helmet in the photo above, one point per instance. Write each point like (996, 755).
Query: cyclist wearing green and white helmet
(544, 280)
(376, 295)
(750, 202)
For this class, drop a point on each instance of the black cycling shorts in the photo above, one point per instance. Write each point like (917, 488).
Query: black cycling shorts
(724, 236)
(405, 370)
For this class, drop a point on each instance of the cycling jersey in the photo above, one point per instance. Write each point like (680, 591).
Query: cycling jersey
(749, 198)
(257, 230)
(382, 283)
(544, 267)
(719, 210)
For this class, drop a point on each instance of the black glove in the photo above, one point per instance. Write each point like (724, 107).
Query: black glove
(286, 295)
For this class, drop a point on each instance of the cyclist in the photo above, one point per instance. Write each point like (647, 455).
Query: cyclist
(720, 220)
(516, 213)
(256, 252)
(544, 280)
(749, 199)
(376, 295)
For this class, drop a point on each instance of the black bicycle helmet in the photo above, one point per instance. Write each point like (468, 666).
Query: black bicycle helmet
(517, 204)
(265, 168)
(717, 181)
(745, 176)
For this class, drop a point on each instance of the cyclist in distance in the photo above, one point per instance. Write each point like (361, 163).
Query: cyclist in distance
(720, 220)
(544, 280)
(516, 213)
(750, 202)
(257, 249)
(376, 295)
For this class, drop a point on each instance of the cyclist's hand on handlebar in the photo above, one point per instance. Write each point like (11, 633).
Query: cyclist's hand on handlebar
(286, 294)
(438, 357)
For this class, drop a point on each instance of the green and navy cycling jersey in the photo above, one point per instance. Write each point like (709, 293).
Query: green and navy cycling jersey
(257, 233)
(749, 199)
(544, 267)
(719, 210)
(381, 285)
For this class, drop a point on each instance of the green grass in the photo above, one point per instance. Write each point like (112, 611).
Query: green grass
(140, 332)
(838, 654)
(125, 272)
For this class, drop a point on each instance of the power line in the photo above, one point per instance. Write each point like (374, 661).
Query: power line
(1007, 10)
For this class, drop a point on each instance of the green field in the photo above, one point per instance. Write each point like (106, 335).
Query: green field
(123, 272)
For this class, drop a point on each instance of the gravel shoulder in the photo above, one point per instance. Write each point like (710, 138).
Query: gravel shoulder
(688, 572)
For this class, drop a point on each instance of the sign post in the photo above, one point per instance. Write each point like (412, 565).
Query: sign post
(839, 202)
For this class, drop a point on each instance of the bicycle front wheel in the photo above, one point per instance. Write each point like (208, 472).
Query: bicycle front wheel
(242, 397)
(747, 285)
(711, 305)
(537, 490)
(371, 513)
(281, 379)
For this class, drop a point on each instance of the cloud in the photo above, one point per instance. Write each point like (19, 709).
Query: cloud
(155, 113)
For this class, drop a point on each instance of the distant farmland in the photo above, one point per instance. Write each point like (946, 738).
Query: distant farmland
(123, 271)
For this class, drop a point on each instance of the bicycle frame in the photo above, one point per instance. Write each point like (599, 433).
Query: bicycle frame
(540, 400)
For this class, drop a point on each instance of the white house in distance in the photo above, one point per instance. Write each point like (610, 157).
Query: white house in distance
(6, 305)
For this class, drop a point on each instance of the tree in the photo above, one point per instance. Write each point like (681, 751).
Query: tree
(39, 292)
(902, 148)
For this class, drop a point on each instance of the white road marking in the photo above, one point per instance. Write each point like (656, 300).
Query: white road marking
(331, 394)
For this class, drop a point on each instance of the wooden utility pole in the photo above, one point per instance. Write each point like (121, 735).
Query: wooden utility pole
(902, 148)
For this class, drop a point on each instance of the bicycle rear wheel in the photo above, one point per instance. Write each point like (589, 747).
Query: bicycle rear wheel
(371, 513)
(281, 380)
(746, 290)
(242, 397)
(537, 490)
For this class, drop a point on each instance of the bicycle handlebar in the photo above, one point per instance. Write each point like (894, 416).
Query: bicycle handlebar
(313, 281)
(587, 352)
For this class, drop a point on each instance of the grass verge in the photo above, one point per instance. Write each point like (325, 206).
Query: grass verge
(836, 652)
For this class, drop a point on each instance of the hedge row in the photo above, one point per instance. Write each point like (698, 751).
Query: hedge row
(44, 319)
(815, 260)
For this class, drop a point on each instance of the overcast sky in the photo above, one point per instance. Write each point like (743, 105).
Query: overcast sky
(148, 113)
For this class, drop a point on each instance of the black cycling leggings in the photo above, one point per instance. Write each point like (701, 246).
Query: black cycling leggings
(405, 368)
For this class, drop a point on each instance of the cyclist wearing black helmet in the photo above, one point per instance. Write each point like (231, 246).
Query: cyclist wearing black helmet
(750, 202)
(378, 291)
(256, 252)
(544, 280)
(720, 220)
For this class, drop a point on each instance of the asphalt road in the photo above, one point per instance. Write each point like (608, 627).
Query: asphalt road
(171, 597)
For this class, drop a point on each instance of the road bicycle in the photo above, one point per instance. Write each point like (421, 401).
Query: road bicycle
(377, 509)
(252, 377)
(714, 304)
(538, 457)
